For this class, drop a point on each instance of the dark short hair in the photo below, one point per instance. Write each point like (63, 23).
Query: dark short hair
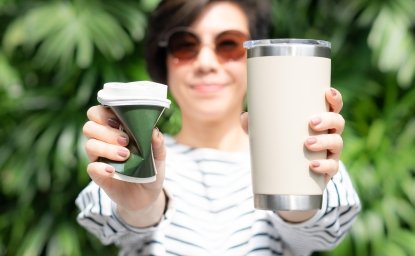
(181, 13)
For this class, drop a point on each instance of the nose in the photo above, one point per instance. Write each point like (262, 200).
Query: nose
(206, 60)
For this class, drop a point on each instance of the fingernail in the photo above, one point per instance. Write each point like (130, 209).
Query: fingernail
(122, 140)
(315, 120)
(158, 131)
(109, 169)
(315, 163)
(311, 140)
(113, 123)
(333, 92)
(123, 152)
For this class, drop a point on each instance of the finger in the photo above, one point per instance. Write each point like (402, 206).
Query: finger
(335, 100)
(99, 171)
(327, 121)
(159, 154)
(106, 134)
(326, 167)
(333, 143)
(96, 148)
(159, 150)
(102, 115)
(102, 174)
(244, 121)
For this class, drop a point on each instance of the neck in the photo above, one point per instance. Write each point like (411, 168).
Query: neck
(226, 136)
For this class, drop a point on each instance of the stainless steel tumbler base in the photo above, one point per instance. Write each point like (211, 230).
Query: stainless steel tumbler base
(287, 202)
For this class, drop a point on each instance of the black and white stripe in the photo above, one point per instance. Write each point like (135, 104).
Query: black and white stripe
(211, 212)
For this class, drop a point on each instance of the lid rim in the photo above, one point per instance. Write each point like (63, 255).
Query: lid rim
(125, 102)
(287, 41)
(288, 47)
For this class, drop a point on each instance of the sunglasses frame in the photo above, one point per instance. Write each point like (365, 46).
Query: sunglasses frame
(164, 43)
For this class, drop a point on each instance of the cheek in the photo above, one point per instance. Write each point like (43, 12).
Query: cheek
(170, 71)
(238, 72)
(175, 72)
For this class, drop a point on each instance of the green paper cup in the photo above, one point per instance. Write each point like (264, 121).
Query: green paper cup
(138, 106)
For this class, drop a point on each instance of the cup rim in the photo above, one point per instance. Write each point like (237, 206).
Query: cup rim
(288, 47)
(286, 42)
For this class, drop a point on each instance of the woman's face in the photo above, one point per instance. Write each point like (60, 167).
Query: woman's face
(207, 87)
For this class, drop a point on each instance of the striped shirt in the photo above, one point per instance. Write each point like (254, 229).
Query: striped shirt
(210, 212)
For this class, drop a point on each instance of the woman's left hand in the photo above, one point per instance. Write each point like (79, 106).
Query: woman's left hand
(330, 126)
(333, 123)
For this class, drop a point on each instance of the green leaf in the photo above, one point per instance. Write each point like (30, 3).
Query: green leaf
(64, 241)
(35, 240)
(404, 239)
(389, 248)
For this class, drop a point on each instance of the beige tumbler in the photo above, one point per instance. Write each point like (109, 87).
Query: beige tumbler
(287, 80)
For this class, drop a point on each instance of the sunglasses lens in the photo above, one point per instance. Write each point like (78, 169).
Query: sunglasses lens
(229, 45)
(183, 45)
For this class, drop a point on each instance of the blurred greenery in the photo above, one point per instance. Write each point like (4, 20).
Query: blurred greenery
(55, 56)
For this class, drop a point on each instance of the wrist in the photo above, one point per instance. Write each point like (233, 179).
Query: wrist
(145, 217)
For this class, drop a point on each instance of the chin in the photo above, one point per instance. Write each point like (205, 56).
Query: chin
(214, 114)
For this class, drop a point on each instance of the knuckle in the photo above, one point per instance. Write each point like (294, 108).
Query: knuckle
(93, 169)
(89, 146)
(340, 99)
(91, 111)
(334, 167)
(99, 114)
(338, 103)
(330, 167)
(342, 123)
(90, 168)
(89, 149)
(87, 128)
(335, 143)
(338, 140)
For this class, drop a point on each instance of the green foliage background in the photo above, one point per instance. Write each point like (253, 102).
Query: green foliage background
(55, 56)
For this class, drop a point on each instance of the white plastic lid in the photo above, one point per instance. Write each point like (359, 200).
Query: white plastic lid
(134, 93)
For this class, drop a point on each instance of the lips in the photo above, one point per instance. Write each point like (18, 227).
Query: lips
(207, 87)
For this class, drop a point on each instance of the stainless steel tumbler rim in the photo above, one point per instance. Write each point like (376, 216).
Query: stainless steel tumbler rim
(287, 202)
(288, 47)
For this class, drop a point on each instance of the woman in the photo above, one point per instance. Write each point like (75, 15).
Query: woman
(201, 203)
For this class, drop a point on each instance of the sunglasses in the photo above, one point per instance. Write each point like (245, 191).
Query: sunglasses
(185, 45)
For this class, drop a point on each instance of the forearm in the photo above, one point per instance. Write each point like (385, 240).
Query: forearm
(325, 228)
(146, 217)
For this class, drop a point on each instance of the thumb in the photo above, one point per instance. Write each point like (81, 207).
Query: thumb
(244, 121)
(159, 154)
(159, 151)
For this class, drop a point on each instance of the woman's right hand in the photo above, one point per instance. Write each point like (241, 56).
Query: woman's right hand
(139, 205)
